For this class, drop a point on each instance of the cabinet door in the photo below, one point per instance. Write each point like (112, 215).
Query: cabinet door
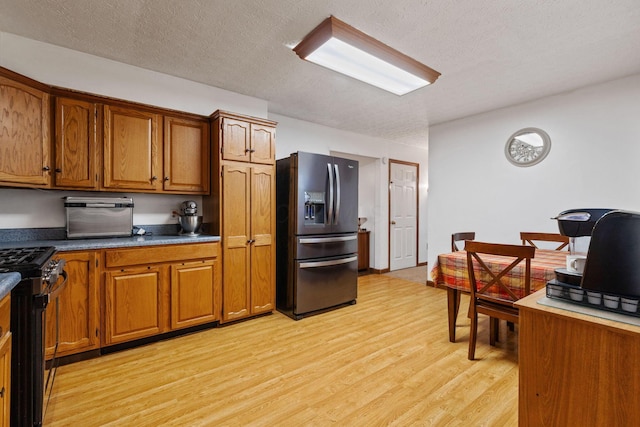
(236, 137)
(263, 290)
(236, 181)
(263, 144)
(5, 379)
(186, 156)
(194, 294)
(77, 311)
(130, 149)
(75, 144)
(24, 134)
(133, 304)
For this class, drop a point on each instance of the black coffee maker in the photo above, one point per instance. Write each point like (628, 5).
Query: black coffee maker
(613, 258)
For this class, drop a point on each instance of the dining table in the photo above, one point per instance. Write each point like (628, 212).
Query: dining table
(450, 271)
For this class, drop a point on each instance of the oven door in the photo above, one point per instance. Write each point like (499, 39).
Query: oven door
(324, 283)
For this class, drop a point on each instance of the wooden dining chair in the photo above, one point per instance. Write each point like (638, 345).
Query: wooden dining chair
(529, 238)
(490, 292)
(461, 237)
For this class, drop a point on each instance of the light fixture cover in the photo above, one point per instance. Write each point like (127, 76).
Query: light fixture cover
(342, 48)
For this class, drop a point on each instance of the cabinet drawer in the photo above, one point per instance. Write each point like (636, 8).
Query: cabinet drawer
(159, 254)
(5, 315)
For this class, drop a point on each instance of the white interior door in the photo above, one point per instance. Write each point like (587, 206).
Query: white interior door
(403, 215)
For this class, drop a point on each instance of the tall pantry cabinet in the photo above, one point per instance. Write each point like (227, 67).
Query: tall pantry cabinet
(241, 209)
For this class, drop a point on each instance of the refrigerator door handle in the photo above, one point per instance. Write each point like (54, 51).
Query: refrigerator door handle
(337, 200)
(330, 215)
(328, 239)
(315, 264)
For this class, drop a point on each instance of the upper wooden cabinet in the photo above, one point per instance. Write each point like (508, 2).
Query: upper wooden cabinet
(130, 149)
(75, 147)
(25, 123)
(102, 144)
(186, 155)
(244, 139)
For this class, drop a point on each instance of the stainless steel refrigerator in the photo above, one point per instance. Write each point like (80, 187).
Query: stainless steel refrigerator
(317, 233)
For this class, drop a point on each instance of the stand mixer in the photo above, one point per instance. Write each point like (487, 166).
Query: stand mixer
(189, 219)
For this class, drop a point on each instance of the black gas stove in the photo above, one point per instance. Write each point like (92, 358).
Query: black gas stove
(26, 261)
(38, 288)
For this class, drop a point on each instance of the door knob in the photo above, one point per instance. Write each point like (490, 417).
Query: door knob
(393, 223)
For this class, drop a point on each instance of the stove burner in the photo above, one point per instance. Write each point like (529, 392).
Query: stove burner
(25, 259)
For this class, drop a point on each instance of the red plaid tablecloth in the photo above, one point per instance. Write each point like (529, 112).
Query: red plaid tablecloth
(451, 270)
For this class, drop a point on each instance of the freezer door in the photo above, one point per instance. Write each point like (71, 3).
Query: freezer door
(326, 246)
(324, 283)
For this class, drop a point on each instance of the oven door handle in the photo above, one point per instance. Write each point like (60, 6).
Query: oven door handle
(55, 292)
(314, 264)
(42, 301)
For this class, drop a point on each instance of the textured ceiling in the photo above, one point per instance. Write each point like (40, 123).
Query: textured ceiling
(492, 54)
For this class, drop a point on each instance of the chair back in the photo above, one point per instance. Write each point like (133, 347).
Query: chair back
(490, 285)
(461, 237)
(529, 238)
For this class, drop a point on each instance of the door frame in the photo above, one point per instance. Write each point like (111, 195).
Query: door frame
(417, 166)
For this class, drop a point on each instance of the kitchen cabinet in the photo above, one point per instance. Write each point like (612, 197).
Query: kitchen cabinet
(248, 228)
(153, 290)
(130, 149)
(241, 209)
(576, 369)
(186, 155)
(5, 360)
(363, 250)
(25, 123)
(193, 293)
(77, 312)
(75, 146)
(245, 139)
(133, 303)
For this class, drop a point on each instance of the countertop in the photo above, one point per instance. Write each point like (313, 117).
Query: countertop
(7, 282)
(116, 242)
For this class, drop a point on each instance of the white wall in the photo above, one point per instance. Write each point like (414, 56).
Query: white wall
(594, 162)
(26, 208)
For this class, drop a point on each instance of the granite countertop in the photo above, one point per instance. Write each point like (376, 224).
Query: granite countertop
(115, 242)
(56, 237)
(7, 282)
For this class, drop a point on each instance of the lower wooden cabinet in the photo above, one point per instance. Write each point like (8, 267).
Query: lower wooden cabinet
(133, 304)
(77, 312)
(193, 293)
(5, 360)
(149, 291)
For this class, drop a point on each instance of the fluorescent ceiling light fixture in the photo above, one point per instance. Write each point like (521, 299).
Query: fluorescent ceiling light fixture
(340, 47)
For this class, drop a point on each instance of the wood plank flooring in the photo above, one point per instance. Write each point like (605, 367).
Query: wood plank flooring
(384, 361)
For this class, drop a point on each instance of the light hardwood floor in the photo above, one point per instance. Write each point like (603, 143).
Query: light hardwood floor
(384, 361)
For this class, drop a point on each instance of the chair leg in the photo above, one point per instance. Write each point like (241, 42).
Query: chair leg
(453, 304)
(494, 330)
(473, 333)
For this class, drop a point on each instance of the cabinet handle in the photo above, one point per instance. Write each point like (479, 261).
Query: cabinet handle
(2, 393)
(46, 168)
(246, 150)
(58, 170)
(153, 178)
(252, 150)
(250, 241)
(166, 178)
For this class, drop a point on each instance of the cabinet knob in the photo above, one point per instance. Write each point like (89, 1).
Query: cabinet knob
(393, 223)
(2, 393)
(58, 170)
(166, 178)
(247, 150)
(153, 178)
(46, 168)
